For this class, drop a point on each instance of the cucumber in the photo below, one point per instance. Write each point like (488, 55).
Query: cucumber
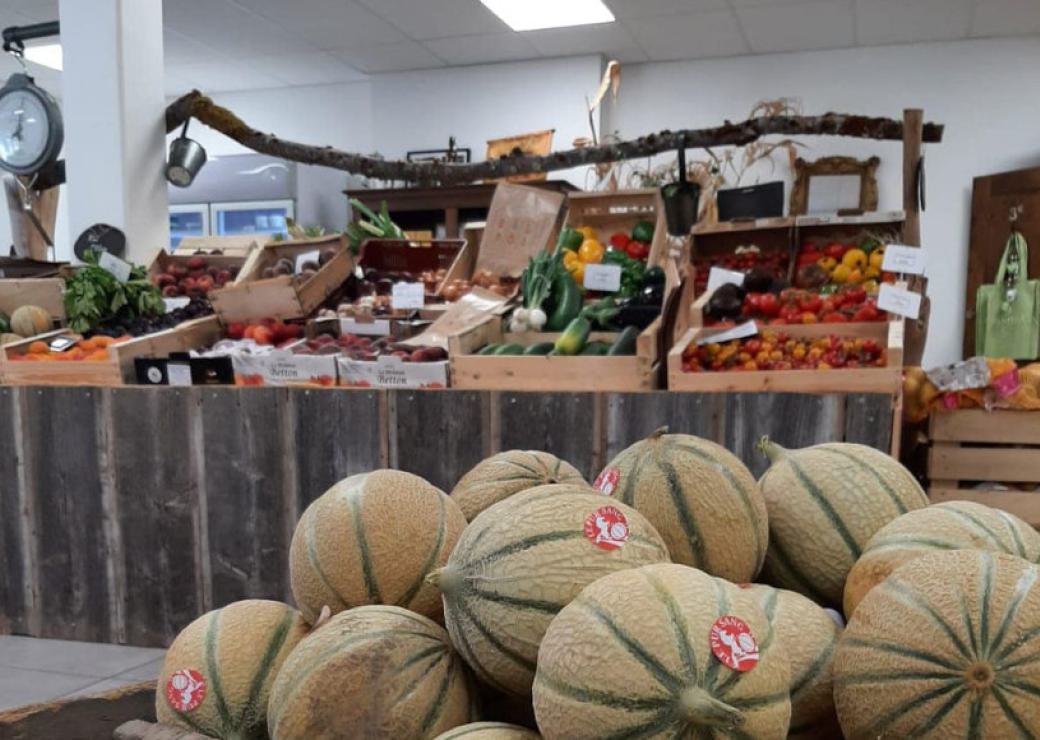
(625, 344)
(573, 339)
(489, 349)
(542, 348)
(510, 349)
(596, 349)
(566, 301)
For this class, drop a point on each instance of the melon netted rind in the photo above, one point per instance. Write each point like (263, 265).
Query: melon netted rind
(521, 561)
(700, 497)
(951, 525)
(825, 503)
(489, 731)
(946, 647)
(378, 672)
(500, 476)
(372, 539)
(28, 321)
(809, 636)
(238, 650)
(631, 657)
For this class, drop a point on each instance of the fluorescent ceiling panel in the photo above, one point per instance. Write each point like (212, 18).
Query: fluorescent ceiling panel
(529, 15)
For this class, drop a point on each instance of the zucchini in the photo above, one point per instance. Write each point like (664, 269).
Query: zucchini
(573, 339)
(489, 349)
(510, 349)
(566, 302)
(596, 349)
(625, 344)
(542, 348)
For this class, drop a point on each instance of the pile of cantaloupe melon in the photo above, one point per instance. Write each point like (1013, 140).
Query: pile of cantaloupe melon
(528, 603)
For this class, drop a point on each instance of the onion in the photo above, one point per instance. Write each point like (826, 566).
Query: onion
(536, 318)
(517, 325)
(521, 314)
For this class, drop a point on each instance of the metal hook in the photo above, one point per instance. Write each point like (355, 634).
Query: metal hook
(1015, 212)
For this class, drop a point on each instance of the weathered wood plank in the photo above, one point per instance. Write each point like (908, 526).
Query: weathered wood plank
(437, 435)
(245, 462)
(634, 416)
(63, 476)
(80, 718)
(13, 608)
(158, 503)
(566, 424)
(868, 420)
(789, 419)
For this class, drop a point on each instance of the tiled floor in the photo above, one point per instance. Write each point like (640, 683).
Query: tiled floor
(33, 670)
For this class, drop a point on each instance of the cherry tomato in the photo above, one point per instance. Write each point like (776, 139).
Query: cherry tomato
(810, 303)
(769, 305)
(834, 318)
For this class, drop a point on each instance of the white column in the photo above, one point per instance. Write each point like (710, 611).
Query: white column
(113, 105)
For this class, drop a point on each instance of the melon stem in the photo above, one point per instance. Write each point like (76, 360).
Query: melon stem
(771, 449)
(698, 707)
(658, 433)
(447, 579)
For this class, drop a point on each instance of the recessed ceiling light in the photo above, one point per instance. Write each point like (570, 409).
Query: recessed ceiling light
(47, 55)
(529, 15)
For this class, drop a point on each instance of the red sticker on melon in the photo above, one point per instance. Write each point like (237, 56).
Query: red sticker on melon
(606, 482)
(185, 690)
(733, 644)
(607, 528)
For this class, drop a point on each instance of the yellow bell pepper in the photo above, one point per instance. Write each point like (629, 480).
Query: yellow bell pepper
(578, 273)
(591, 251)
(588, 231)
(571, 261)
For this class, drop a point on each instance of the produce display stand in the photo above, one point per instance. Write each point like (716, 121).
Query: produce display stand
(163, 260)
(95, 717)
(286, 296)
(47, 293)
(620, 210)
(975, 452)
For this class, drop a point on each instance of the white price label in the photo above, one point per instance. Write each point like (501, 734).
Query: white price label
(406, 296)
(172, 304)
(741, 331)
(606, 278)
(178, 373)
(306, 257)
(719, 276)
(899, 301)
(903, 259)
(120, 269)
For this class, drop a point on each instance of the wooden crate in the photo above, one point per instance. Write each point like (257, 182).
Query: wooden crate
(84, 717)
(119, 368)
(886, 379)
(287, 296)
(163, 260)
(620, 210)
(541, 373)
(971, 446)
(47, 293)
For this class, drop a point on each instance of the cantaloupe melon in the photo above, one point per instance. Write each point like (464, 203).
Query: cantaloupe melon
(634, 656)
(500, 476)
(699, 496)
(489, 731)
(521, 561)
(948, 646)
(217, 675)
(372, 539)
(808, 635)
(9, 338)
(825, 503)
(374, 672)
(28, 321)
(952, 525)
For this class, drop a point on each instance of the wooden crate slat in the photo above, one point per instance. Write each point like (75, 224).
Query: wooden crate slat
(80, 718)
(868, 420)
(1005, 464)
(632, 417)
(1023, 504)
(569, 425)
(978, 425)
(438, 435)
(47, 293)
(13, 537)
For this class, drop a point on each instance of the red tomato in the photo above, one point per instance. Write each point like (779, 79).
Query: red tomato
(810, 302)
(637, 250)
(619, 241)
(834, 318)
(835, 250)
(854, 296)
(769, 305)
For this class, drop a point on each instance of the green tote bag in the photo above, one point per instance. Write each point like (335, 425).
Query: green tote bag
(1007, 313)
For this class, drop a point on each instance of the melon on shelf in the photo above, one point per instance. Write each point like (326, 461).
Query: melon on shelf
(500, 476)
(489, 731)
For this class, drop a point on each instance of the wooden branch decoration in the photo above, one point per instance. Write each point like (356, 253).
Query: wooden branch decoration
(199, 106)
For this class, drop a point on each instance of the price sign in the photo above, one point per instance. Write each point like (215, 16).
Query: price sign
(719, 276)
(903, 259)
(178, 373)
(407, 296)
(606, 278)
(741, 331)
(899, 301)
(172, 304)
(120, 269)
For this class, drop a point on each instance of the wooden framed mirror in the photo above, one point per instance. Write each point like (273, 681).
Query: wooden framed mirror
(834, 184)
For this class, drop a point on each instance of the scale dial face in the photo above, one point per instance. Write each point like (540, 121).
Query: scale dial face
(29, 138)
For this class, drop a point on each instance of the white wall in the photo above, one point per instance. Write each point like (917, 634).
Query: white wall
(976, 88)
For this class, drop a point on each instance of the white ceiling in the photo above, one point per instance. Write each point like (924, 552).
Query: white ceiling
(218, 45)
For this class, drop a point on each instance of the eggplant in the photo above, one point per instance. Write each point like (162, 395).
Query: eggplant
(726, 303)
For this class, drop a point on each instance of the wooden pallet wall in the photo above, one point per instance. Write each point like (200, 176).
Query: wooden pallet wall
(127, 512)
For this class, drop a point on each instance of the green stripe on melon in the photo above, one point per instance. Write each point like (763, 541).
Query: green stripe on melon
(521, 561)
(500, 476)
(952, 525)
(372, 539)
(947, 646)
(238, 650)
(378, 672)
(630, 657)
(699, 496)
(489, 731)
(825, 503)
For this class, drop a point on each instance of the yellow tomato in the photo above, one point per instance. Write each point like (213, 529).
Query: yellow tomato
(827, 263)
(871, 286)
(871, 273)
(588, 232)
(591, 251)
(840, 274)
(877, 257)
(855, 259)
(855, 277)
(571, 260)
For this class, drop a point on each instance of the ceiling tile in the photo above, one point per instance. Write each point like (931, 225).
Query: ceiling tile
(431, 19)
(768, 3)
(33, 11)
(908, 21)
(823, 24)
(612, 40)
(223, 75)
(689, 35)
(483, 49)
(228, 27)
(389, 57)
(328, 24)
(646, 8)
(314, 68)
(1006, 17)
(181, 49)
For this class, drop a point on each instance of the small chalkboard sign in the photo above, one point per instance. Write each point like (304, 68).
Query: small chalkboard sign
(100, 238)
